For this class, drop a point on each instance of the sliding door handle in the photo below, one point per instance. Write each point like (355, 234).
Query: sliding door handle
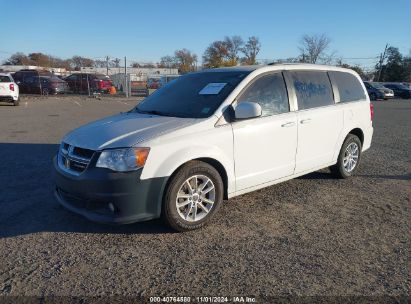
(288, 124)
(305, 121)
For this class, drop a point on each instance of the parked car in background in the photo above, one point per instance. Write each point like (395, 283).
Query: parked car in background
(377, 91)
(25, 79)
(87, 82)
(407, 84)
(213, 135)
(153, 82)
(156, 82)
(373, 92)
(9, 90)
(46, 85)
(399, 89)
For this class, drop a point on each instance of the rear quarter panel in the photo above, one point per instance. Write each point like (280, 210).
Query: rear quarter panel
(356, 115)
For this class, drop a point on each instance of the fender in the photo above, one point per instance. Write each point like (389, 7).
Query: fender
(165, 159)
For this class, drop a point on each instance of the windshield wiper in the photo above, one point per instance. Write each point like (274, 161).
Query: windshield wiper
(153, 112)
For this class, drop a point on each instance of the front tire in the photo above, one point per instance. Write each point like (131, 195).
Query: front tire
(193, 196)
(349, 157)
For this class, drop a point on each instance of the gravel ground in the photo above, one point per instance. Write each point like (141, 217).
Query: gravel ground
(311, 236)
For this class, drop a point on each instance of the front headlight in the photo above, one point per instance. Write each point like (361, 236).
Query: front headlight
(123, 160)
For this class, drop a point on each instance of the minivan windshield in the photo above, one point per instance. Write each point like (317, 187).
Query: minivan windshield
(194, 95)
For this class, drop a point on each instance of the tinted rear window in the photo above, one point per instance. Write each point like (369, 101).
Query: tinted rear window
(313, 89)
(349, 87)
(4, 78)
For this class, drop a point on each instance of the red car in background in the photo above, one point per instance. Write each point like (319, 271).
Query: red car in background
(87, 82)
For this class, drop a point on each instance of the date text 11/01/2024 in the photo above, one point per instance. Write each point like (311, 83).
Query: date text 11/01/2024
(235, 299)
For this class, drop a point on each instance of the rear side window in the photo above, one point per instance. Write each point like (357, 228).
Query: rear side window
(270, 93)
(313, 89)
(348, 86)
(72, 77)
(4, 78)
(101, 77)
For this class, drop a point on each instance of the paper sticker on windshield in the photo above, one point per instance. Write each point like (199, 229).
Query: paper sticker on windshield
(212, 88)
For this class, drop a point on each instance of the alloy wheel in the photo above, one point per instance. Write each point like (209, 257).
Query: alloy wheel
(195, 198)
(351, 155)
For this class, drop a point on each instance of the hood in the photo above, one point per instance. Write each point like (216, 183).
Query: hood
(123, 130)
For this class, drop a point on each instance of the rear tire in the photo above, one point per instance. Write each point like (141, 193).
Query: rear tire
(349, 157)
(16, 102)
(193, 196)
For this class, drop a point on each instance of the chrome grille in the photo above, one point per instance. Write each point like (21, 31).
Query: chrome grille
(74, 159)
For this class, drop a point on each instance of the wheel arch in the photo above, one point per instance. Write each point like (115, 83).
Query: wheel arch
(212, 162)
(357, 132)
(220, 169)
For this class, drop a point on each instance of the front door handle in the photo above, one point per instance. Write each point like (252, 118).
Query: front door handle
(305, 121)
(288, 124)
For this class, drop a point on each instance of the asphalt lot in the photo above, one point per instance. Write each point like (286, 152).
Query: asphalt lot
(311, 236)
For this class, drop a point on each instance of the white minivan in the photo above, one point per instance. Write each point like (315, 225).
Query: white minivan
(213, 135)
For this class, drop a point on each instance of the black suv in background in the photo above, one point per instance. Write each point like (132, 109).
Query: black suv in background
(39, 82)
(26, 79)
(399, 89)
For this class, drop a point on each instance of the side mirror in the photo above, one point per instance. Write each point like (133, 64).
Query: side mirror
(247, 109)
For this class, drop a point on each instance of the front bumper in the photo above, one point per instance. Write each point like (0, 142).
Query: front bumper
(102, 195)
(59, 90)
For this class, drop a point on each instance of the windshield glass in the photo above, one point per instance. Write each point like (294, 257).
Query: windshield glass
(396, 86)
(195, 95)
(377, 85)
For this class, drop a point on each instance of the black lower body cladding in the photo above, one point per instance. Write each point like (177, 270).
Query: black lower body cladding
(102, 195)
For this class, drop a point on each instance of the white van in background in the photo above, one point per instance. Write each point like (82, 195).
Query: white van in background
(213, 135)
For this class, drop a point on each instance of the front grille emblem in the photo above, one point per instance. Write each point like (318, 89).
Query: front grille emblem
(73, 159)
(70, 150)
(67, 163)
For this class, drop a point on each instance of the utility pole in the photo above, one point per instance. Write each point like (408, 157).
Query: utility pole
(107, 59)
(382, 58)
(125, 77)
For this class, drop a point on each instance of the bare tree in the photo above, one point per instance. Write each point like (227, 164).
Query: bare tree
(223, 52)
(116, 62)
(233, 47)
(98, 63)
(251, 50)
(185, 60)
(216, 54)
(78, 62)
(148, 65)
(313, 47)
(167, 62)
